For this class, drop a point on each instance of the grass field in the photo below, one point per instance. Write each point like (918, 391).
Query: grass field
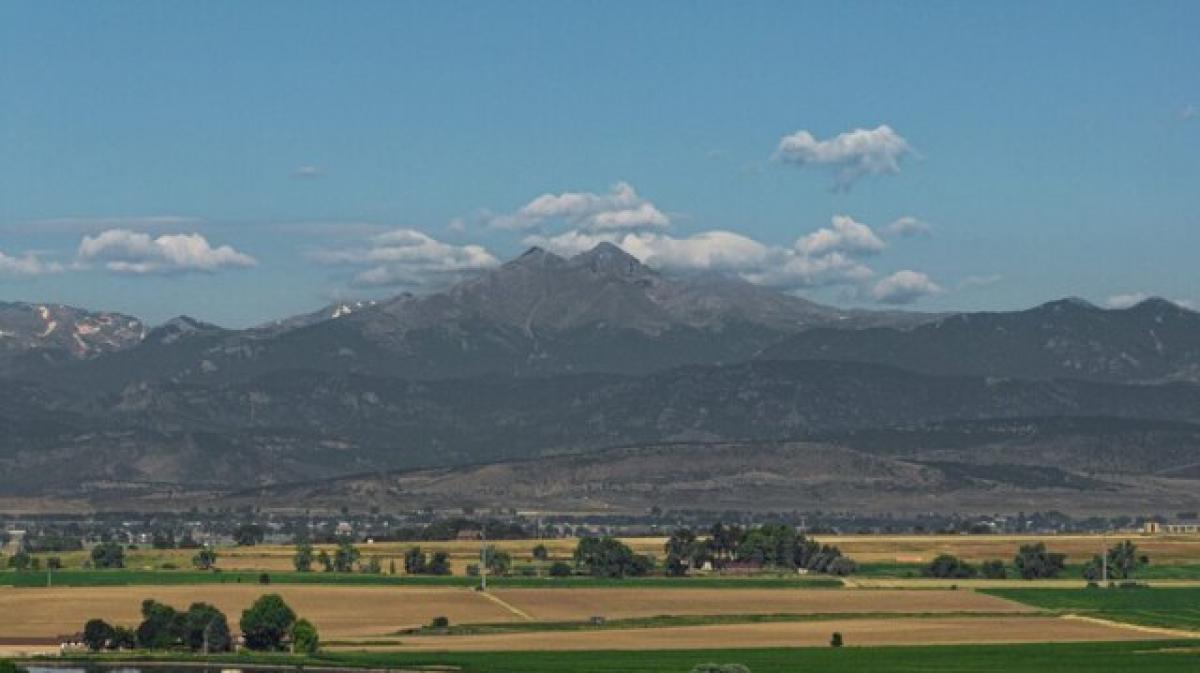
(1122, 657)
(1177, 608)
(1172, 571)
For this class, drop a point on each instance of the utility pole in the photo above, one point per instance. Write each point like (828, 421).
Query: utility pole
(1103, 563)
(483, 560)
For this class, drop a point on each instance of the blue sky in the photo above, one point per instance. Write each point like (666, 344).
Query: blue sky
(245, 161)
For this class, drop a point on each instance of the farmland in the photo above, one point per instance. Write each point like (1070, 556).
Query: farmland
(385, 617)
(1170, 608)
(1172, 557)
(370, 612)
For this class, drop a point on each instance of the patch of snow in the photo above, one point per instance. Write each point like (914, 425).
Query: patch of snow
(341, 310)
(50, 327)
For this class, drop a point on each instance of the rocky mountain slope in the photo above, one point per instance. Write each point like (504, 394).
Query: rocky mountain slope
(1153, 342)
(56, 333)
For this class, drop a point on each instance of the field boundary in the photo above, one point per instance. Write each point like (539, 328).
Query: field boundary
(506, 605)
(1161, 630)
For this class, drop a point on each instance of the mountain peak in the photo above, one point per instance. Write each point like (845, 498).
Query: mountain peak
(1151, 303)
(1067, 303)
(607, 258)
(535, 256)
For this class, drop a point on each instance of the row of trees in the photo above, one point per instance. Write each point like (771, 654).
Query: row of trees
(770, 545)
(1034, 561)
(268, 624)
(346, 558)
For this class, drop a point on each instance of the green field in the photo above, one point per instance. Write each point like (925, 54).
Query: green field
(1175, 571)
(1144, 657)
(97, 578)
(1166, 607)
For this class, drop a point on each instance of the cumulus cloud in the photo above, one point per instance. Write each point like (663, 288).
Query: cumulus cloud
(126, 251)
(904, 287)
(27, 264)
(407, 257)
(843, 235)
(849, 155)
(620, 209)
(307, 173)
(810, 262)
(908, 226)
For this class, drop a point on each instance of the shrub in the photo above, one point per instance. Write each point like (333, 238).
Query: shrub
(994, 570)
(108, 555)
(948, 566)
(440, 623)
(264, 578)
(560, 569)
(720, 668)
(304, 637)
(7, 666)
(836, 639)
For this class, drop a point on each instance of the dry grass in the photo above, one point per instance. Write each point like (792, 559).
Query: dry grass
(365, 611)
(337, 611)
(857, 632)
(580, 604)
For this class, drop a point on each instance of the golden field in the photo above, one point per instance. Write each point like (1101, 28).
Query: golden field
(857, 632)
(341, 612)
(1163, 550)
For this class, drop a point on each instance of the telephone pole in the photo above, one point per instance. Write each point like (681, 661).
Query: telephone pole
(1103, 563)
(483, 560)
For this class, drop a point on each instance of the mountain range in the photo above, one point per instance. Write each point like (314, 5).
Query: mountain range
(549, 363)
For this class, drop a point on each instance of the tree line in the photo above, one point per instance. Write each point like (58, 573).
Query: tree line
(776, 546)
(1035, 561)
(269, 624)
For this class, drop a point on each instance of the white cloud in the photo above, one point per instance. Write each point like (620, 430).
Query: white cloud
(798, 271)
(620, 209)
(1188, 112)
(904, 287)
(844, 235)
(908, 226)
(27, 264)
(849, 155)
(307, 173)
(125, 251)
(725, 251)
(407, 257)
(1126, 300)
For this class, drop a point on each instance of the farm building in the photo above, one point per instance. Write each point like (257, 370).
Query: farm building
(1177, 527)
